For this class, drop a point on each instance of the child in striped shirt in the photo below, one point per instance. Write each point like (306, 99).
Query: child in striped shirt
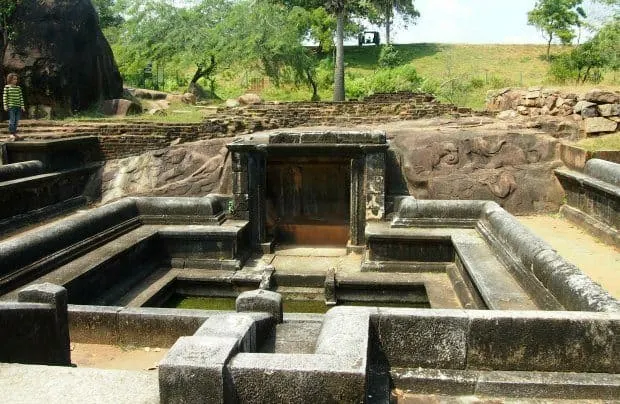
(13, 103)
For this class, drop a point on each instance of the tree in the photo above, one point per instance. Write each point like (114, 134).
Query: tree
(384, 11)
(108, 15)
(586, 61)
(7, 29)
(269, 37)
(556, 19)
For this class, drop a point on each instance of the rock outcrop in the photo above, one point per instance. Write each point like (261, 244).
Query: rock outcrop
(65, 62)
(598, 111)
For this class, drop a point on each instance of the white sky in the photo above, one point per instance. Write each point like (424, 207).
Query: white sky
(471, 21)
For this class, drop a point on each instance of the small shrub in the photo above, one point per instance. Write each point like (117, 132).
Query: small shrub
(389, 57)
(476, 82)
(430, 86)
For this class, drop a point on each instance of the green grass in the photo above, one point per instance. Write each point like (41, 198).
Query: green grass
(605, 142)
(486, 66)
(457, 73)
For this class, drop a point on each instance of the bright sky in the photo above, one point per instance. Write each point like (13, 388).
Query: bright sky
(469, 21)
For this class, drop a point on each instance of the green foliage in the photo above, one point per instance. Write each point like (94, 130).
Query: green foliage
(403, 78)
(381, 13)
(389, 57)
(585, 62)
(557, 19)
(109, 16)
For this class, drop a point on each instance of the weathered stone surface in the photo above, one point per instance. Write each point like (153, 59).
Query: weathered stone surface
(602, 97)
(189, 98)
(513, 170)
(67, 66)
(193, 370)
(609, 109)
(581, 105)
(589, 112)
(424, 340)
(260, 301)
(120, 107)
(249, 98)
(197, 170)
(600, 125)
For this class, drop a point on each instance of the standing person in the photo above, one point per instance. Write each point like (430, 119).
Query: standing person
(13, 103)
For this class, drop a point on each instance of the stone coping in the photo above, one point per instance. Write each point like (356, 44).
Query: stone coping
(309, 138)
(568, 350)
(606, 171)
(61, 242)
(19, 170)
(587, 180)
(523, 252)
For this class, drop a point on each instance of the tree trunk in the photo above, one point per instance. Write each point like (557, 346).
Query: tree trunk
(549, 48)
(339, 69)
(315, 87)
(388, 24)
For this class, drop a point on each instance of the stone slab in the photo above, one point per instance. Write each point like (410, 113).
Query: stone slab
(66, 385)
(543, 341)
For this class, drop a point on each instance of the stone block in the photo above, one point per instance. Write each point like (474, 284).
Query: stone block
(589, 112)
(420, 338)
(581, 105)
(602, 97)
(120, 107)
(156, 327)
(543, 341)
(94, 324)
(57, 297)
(239, 326)
(600, 125)
(436, 381)
(193, 370)
(551, 385)
(260, 301)
(277, 138)
(295, 378)
(609, 110)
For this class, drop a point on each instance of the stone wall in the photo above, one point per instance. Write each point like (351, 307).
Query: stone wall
(35, 330)
(597, 110)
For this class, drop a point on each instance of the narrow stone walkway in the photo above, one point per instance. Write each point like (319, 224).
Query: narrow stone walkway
(598, 260)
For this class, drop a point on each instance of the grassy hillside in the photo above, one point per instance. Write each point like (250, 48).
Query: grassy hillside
(458, 73)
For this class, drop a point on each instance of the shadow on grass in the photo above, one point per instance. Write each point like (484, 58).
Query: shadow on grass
(367, 57)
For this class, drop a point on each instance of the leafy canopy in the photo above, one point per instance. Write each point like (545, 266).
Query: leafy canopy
(557, 19)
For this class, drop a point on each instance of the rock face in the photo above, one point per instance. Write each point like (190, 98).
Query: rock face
(194, 169)
(514, 170)
(64, 61)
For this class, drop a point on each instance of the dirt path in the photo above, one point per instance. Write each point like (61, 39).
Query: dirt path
(116, 357)
(598, 260)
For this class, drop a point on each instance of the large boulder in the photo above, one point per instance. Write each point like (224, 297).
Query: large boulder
(63, 58)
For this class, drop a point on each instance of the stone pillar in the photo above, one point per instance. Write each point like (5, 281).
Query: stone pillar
(375, 186)
(239, 208)
(54, 346)
(257, 183)
(357, 220)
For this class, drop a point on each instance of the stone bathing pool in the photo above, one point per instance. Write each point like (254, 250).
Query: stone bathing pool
(493, 310)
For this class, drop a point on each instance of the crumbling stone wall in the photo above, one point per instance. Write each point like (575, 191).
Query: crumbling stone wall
(598, 111)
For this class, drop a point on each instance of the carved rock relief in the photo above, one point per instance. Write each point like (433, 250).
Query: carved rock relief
(495, 167)
(195, 169)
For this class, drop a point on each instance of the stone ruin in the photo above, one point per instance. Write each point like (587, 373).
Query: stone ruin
(485, 307)
(593, 113)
